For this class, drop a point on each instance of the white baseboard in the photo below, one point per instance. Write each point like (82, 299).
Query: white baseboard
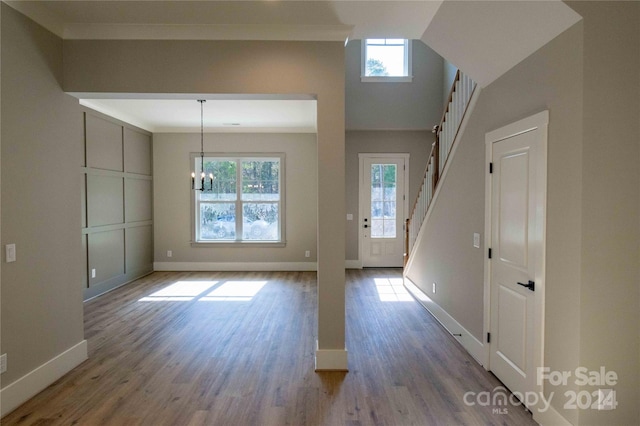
(550, 417)
(353, 264)
(331, 359)
(18, 392)
(246, 266)
(466, 339)
(235, 266)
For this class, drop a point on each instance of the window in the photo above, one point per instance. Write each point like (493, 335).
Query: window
(246, 204)
(386, 59)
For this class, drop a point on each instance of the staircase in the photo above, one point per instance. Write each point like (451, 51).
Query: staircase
(446, 134)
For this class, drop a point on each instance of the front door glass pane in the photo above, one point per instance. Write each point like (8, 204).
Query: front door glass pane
(383, 200)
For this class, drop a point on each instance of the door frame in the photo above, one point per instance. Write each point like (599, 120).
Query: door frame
(382, 156)
(535, 122)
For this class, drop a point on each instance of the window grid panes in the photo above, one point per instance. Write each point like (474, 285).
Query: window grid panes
(386, 58)
(245, 203)
(383, 200)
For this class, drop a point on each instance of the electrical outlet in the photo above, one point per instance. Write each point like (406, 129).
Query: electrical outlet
(169, 253)
(10, 253)
(434, 288)
(349, 216)
(3, 363)
(93, 272)
(307, 253)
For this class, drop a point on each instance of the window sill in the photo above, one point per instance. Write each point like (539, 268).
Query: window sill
(406, 79)
(237, 244)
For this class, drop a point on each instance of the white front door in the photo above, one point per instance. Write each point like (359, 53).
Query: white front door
(382, 210)
(518, 187)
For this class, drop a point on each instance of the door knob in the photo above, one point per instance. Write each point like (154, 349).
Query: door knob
(530, 285)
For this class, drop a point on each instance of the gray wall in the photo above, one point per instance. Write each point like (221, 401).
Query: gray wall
(415, 143)
(41, 154)
(592, 303)
(116, 203)
(446, 254)
(172, 197)
(394, 106)
(610, 290)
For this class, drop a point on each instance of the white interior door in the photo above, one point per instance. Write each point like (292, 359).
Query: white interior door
(382, 209)
(517, 260)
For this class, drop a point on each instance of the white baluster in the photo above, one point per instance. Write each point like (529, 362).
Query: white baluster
(456, 96)
(465, 89)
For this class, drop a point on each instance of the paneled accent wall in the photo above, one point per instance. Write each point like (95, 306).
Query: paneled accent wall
(117, 205)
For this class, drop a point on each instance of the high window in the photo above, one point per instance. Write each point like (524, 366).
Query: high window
(386, 59)
(247, 202)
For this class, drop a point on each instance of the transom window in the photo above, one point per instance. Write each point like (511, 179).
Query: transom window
(246, 203)
(386, 59)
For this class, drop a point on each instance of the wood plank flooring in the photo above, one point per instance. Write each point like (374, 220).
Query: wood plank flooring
(202, 349)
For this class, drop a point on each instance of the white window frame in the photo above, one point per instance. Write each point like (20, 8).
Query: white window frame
(195, 210)
(408, 78)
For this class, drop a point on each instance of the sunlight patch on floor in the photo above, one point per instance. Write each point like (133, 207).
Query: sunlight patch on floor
(206, 291)
(392, 290)
(239, 291)
(180, 291)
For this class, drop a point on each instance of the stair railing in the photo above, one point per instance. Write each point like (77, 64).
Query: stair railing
(445, 135)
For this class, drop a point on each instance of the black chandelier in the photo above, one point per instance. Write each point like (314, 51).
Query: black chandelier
(202, 174)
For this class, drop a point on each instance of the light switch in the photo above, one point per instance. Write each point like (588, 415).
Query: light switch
(93, 272)
(476, 240)
(10, 253)
(349, 216)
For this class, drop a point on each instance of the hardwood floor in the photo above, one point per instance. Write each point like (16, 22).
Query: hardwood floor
(202, 349)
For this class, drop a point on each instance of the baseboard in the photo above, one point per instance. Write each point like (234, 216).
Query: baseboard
(331, 359)
(235, 266)
(246, 266)
(466, 339)
(18, 392)
(550, 417)
(353, 264)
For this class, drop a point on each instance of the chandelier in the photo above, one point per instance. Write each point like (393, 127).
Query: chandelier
(202, 187)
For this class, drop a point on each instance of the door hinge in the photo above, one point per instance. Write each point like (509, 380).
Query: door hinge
(489, 253)
(490, 167)
(488, 337)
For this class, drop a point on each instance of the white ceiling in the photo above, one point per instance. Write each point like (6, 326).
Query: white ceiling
(483, 38)
(488, 38)
(220, 115)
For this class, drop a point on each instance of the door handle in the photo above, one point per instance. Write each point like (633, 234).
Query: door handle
(530, 285)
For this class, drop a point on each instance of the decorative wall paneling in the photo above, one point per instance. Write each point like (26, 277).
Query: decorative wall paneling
(117, 203)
